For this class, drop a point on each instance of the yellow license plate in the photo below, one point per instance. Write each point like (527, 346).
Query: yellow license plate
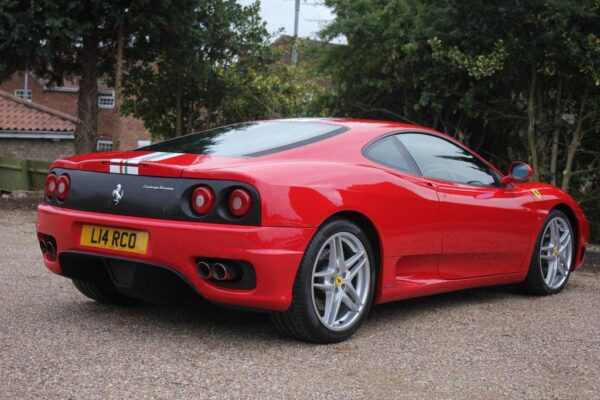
(114, 239)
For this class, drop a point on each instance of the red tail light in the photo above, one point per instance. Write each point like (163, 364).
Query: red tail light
(203, 200)
(63, 185)
(240, 202)
(50, 185)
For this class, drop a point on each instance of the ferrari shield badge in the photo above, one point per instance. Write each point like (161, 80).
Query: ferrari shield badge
(536, 193)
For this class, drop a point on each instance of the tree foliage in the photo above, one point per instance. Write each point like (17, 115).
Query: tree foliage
(274, 90)
(227, 70)
(183, 88)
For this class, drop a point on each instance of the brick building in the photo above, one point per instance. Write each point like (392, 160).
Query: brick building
(63, 99)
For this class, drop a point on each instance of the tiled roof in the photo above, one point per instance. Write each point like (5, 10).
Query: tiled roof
(17, 114)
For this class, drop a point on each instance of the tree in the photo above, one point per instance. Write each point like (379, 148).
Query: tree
(273, 90)
(55, 39)
(182, 89)
(550, 57)
(66, 38)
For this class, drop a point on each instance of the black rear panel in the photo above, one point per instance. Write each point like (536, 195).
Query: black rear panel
(139, 280)
(151, 197)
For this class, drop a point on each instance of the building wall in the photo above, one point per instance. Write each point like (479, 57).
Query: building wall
(61, 101)
(36, 149)
(132, 129)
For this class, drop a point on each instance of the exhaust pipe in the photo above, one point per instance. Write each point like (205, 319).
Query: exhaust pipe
(51, 249)
(43, 246)
(223, 272)
(203, 270)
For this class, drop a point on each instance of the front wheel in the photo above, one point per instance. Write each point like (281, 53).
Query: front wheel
(553, 256)
(334, 287)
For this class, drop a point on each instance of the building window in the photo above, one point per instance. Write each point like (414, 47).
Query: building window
(104, 145)
(106, 101)
(24, 94)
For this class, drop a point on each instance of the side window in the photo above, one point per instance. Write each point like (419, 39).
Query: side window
(440, 159)
(388, 151)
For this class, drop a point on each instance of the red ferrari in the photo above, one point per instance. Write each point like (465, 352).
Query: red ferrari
(312, 220)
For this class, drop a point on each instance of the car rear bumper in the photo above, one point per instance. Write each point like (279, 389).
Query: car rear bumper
(274, 252)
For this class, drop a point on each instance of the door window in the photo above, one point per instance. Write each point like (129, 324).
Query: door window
(438, 158)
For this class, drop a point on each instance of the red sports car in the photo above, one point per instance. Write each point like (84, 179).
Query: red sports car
(312, 220)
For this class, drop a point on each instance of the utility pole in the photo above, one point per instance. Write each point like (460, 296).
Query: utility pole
(295, 44)
(26, 80)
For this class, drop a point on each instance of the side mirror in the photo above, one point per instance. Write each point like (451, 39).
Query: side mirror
(517, 172)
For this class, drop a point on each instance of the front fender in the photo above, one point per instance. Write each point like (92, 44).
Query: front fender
(548, 198)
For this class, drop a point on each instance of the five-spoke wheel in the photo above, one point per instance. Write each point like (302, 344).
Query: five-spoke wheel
(553, 256)
(334, 287)
(556, 252)
(340, 280)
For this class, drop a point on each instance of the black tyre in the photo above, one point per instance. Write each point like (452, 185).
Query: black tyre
(102, 292)
(553, 256)
(334, 288)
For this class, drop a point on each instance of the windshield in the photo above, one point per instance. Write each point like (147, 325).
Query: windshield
(251, 139)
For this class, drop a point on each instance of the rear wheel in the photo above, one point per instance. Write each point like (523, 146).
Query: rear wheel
(102, 292)
(552, 259)
(334, 287)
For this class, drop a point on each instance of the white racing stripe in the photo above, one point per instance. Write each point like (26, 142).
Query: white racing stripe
(129, 166)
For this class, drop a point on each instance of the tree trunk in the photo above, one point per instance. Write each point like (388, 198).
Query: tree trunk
(190, 119)
(178, 112)
(116, 133)
(531, 127)
(86, 132)
(541, 141)
(574, 145)
(571, 149)
(556, 136)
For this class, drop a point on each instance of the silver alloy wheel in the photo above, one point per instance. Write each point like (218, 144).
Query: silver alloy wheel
(341, 281)
(556, 252)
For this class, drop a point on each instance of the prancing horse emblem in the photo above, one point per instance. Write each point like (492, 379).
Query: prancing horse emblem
(117, 194)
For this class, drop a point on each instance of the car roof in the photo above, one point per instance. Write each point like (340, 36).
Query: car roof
(354, 123)
(348, 145)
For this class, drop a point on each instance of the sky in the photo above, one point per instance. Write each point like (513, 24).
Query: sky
(280, 14)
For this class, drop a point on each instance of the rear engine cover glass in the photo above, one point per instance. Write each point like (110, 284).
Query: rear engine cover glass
(252, 139)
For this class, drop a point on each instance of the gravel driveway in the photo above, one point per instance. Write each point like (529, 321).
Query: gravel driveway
(484, 343)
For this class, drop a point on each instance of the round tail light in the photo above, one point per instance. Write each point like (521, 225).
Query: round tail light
(50, 185)
(63, 185)
(240, 202)
(203, 200)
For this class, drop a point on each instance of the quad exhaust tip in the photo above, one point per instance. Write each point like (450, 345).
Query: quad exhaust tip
(217, 271)
(48, 247)
(220, 272)
(51, 249)
(204, 270)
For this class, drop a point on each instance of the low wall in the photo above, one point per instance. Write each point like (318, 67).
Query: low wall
(22, 174)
